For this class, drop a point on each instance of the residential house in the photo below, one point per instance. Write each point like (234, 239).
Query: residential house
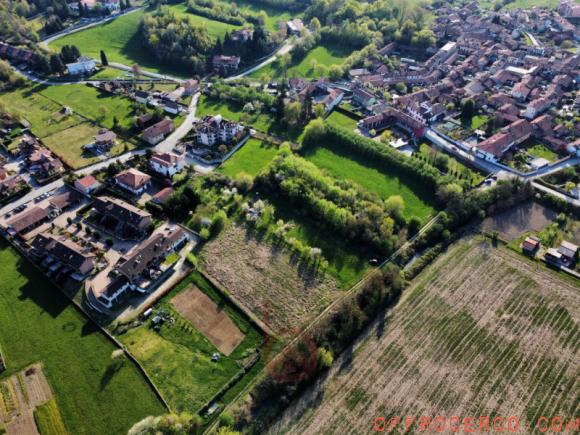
(167, 164)
(64, 251)
(536, 107)
(122, 213)
(157, 132)
(104, 140)
(493, 148)
(83, 65)
(191, 87)
(133, 180)
(142, 96)
(17, 54)
(172, 107)
(10, 186)
(212, 130)
(242, 35)
(531, 245)
(139, 270)
(163, 196)
(225, 64)
(363, 98)
(87, 184)
(295, 27)
(520, 91)
(569, 251)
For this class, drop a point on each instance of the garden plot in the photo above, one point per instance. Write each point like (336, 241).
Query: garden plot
(208, 318)
(20, 395)
(482, 332)
(266, 279)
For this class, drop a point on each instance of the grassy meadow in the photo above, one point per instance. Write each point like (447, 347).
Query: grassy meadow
(39, 324)
(250, 159)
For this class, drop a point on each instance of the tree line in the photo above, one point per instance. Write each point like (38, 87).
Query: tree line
(338, 205)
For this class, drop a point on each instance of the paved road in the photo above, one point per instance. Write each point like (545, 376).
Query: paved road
(285, 48)
(145, 73)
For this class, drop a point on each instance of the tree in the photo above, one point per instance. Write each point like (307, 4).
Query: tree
(314, 131)
(319, 110)
(570, 185)
(335, 72)
(292, 113)
(104, 60)
(56, 65)
(467, 108)
(325, 358)
(315, 24)
(395, 206)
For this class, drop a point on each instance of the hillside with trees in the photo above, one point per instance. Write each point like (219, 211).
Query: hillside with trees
(176, 41)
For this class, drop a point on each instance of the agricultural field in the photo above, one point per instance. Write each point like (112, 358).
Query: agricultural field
(369, 176)
(39, 325)
(48, 419)
(121, 41)
(178, 357)
(321, 55)
(250, 159)
(65, 135)
(265, 278)
(481, 332)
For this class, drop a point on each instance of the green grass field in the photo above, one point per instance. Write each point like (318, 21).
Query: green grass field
(39, 324)
(178, 358)
(48, 419)
(121, 41)
(342, 120)
(275, 15)
(251, 158)
(371, 178)
(321, 55)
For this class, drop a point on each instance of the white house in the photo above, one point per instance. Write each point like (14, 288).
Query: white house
(167, 164)
(212, 130)
(84, 65)
(87, 184)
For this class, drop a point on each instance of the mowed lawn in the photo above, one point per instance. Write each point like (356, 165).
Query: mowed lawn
(122, 43)
(371, 178)
(342, 120)
(178, 357)
(322, 55)
(250, 159)
(95, 394)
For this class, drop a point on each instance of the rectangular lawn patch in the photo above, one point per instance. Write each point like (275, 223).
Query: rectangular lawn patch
(250, 158)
